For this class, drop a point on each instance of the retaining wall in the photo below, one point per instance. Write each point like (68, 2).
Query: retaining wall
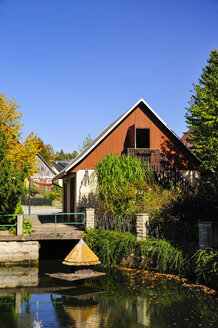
(18, 252)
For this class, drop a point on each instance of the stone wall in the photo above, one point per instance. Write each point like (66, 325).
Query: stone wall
(17, 252)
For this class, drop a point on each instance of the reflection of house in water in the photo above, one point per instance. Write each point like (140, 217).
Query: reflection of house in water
(83, 316)
(143, 316)
(80, 310)
(95, 310)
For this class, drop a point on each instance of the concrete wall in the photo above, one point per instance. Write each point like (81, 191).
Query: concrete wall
(17, 252)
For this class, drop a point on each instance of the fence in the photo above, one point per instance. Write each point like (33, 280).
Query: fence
(172, 176)
(163, 169)
(42, 223)
(36, 201)
(113, 222)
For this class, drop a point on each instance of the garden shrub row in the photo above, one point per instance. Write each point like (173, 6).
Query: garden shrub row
(113, 247)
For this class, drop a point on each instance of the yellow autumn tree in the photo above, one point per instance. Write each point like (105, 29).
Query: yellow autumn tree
(19, 152)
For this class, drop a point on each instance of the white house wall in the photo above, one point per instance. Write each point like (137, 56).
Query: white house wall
(86, 183)
(43, 171)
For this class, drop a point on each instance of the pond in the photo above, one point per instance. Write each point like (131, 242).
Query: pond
(121, 299)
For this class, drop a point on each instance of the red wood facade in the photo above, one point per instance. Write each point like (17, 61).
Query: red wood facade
(125, 134)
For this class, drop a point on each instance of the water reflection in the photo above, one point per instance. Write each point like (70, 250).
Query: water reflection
(15, 276)
(81, 310)
(117, 300)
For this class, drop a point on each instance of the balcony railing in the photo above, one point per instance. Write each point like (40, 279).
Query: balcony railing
(165, 173)
(152, 156)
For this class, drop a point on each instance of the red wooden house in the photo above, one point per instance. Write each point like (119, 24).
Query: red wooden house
(139, 131)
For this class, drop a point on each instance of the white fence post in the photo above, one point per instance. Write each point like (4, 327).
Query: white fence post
(90, 218)
(142, 220)
(19, 224)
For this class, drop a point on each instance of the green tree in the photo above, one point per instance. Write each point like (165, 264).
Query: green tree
(18, 151)
(11, 180)
(46, 151)
(62, 156)
(71, 155)
(201, 116)
(85, 144)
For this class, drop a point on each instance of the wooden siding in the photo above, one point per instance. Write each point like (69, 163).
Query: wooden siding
(160, 138)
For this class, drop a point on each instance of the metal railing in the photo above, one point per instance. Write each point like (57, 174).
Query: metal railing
(3, 218)
(49, 222)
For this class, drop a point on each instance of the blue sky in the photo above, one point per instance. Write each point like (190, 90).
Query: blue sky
(74, 66)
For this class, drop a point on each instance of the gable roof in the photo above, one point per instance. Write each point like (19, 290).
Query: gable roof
(185, 137)
(111, 127)
(60, 165)
(44, 162)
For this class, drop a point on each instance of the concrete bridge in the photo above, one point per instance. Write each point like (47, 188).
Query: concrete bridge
(50, 224)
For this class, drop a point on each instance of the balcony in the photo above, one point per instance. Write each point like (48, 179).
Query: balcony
(152, 156)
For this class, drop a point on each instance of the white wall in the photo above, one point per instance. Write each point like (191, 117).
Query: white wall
(86, 183)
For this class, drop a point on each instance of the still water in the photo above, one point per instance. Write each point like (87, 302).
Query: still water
(121, 299)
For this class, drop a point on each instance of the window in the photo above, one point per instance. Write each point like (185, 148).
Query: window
(142, 138)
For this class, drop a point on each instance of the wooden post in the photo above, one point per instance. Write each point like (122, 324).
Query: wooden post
(90, 218)
(142, 220)
(19, 225)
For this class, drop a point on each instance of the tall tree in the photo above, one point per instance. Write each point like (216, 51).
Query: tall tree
(201, 116)
(62, 156)
(21, 152)
(46, 151)
(11, 179)
(86, 143)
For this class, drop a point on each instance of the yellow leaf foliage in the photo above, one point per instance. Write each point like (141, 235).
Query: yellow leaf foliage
(20, 152)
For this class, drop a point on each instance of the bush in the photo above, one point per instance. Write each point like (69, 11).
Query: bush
(178, 219)
(27, 227)
(205, 264)
(110, 246)
(113, 247)
(126, 186)
(160, 255)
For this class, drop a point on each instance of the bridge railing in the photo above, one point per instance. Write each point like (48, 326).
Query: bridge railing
(7, 223)
(41, 223)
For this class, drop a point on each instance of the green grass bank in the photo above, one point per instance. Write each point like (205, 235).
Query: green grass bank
(122, 248)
